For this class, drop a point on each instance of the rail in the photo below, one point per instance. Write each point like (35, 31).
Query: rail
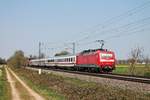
(111, 76)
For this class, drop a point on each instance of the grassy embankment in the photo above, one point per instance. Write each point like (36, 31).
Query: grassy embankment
(58, 88)
(140, 70)
(5, 93)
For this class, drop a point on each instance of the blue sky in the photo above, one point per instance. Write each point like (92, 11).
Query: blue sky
(58, 23)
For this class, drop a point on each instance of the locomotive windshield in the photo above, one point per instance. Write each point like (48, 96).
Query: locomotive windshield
(106, 56)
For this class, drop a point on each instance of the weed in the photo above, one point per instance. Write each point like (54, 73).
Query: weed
(5, 93)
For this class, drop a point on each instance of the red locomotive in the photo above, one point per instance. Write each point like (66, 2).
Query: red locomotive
(100, 59)
(91, 60)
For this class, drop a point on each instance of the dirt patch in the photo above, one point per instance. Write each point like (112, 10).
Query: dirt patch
(14, 91)
(0, 72)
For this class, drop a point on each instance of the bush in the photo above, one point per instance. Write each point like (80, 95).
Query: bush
(17, 60)
(147, 74)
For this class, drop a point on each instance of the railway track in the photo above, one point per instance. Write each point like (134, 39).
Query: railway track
(138, 79)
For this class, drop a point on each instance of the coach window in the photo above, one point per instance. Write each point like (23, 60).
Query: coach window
(68, 59)
(71, 59)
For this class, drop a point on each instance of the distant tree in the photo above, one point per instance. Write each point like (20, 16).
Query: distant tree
(122, 61)
(136, 54)
(62, 53)
(17, 60)
(2, 61)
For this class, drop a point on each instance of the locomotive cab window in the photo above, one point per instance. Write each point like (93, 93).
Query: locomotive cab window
(106, 56)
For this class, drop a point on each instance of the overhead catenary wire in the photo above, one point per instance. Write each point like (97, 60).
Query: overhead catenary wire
(125, 27)
(133, 26)
(115, 36)
(115, 19)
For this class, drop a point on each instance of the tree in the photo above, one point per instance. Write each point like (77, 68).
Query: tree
(2, 61)
(146, 61)
(136, 54)
(62, 53)
(17, 60)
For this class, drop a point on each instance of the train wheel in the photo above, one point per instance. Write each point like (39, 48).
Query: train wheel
(97, 70)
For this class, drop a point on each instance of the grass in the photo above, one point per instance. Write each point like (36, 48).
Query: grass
(121, 70)
(5, 93)
(48, 93)
(140, 70)
(56, 87)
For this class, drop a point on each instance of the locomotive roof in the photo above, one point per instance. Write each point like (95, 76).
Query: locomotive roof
(57, 57)
(61, 57)
(92, 50)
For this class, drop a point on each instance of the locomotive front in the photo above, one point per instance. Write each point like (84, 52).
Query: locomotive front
(97, 59)
(107, 60)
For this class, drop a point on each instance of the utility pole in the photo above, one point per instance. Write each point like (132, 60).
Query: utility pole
(73, 50)
(39, 50)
